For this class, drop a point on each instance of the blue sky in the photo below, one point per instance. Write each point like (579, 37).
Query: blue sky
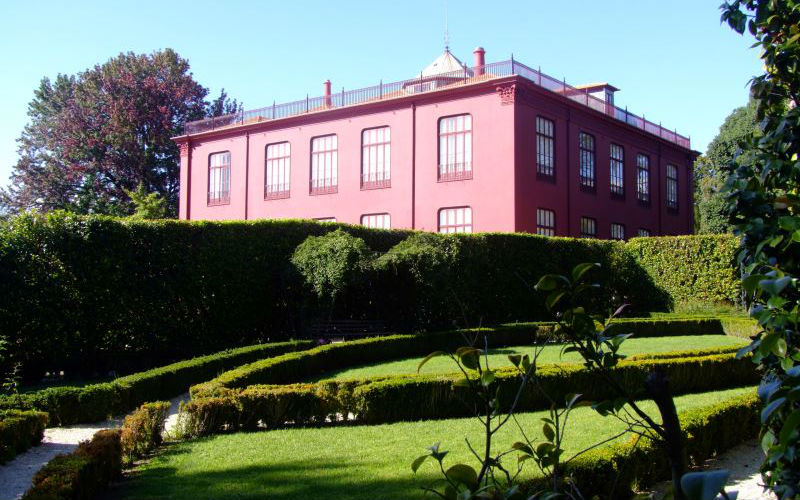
(673, 60)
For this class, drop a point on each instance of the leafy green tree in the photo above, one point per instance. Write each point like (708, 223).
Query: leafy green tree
(148, 205)
(765, 210)
(710, 174)
(95, 136)
(223, 105)
(332, 263)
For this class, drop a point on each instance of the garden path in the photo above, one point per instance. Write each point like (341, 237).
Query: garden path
(742, 462)
(17, 475)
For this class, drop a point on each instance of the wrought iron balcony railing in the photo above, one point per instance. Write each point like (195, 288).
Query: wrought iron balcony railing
(384, 91)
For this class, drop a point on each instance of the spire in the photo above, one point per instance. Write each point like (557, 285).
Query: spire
(446, 32)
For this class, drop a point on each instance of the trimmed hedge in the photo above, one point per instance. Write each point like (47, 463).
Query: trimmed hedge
(299, 366)
(90, 294)
(691, 269)
(83, 474)
(407, 397)
(70, 405)
(622, 467)
(142, 428)
(20, 430)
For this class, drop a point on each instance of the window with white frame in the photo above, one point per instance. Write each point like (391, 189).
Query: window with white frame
(377, 221)
(588, 227)
(617, 231)
(455, 220)
(219, 178)
(277, 171)
(617, 169)
(325, 219)
(643, 232)
(672, 187)
(643, 177)
(455, 148)
(376, 158)
(586, 158)
(545, 147)
(324, 164)
(545, 222)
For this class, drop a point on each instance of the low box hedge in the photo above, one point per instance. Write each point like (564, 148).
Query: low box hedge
(615, 471)
(299, 366)
(407, 397)
(83, 474)
(70, 405)
(20, 430)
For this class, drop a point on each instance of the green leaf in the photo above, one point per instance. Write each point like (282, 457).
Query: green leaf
(550, 282)
(549, 432)
(464, 474)
(790, 425)
(767, 412)
(487, 378)
(428, 358)
(417, 462)
(470, 358)
(522, 447)
(515, 359)
(704, 485)
(581, 269)
(775, 286)
(553, 299)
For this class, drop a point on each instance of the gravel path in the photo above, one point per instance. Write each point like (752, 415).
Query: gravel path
(742, 462)
(16, 476)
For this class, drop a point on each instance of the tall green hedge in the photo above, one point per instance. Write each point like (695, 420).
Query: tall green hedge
(92, 294)
(691, 269)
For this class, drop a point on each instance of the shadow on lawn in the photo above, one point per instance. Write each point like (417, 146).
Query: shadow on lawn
(320, 479)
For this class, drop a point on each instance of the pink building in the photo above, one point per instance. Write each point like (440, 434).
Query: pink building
(494, 147)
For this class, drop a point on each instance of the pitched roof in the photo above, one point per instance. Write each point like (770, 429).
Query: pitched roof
(445, 63)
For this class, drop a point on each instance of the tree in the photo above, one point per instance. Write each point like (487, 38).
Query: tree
(223, 105)
(148, 205)
(97, 135)
(764, 197)
(710, 176)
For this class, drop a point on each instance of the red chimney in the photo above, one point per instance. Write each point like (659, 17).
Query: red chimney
(327, 93)
(480, 60)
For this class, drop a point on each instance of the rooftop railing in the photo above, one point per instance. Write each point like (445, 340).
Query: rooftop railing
(421, 85)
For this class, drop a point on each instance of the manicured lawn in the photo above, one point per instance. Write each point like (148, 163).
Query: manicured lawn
(340, 463)
(551, 354)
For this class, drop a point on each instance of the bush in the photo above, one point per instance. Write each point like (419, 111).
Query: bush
(141, 430)
(70, 405)
(20, 430)
(407, 397)
(81, 475)
(89, 294)
(332, 263)
(698, 269)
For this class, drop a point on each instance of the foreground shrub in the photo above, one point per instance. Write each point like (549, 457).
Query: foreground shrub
(83, 474)
(19, 430)
(70, 405)
(332, 263)
(141, 430)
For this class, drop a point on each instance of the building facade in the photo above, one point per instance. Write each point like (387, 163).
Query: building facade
(494, 147)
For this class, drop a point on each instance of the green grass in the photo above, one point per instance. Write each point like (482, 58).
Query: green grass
(342, 463)
(550, 354)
